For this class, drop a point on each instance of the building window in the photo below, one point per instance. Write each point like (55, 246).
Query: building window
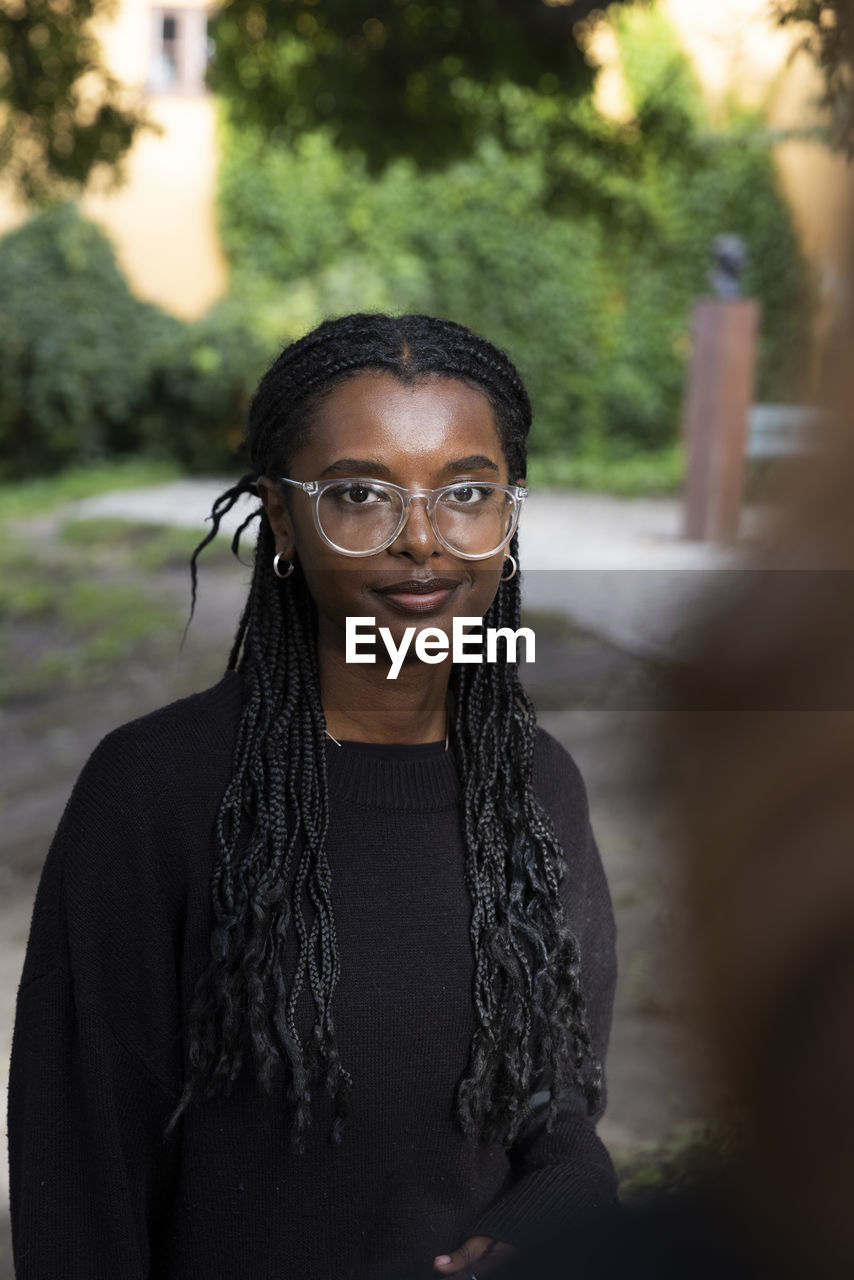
(180, 50)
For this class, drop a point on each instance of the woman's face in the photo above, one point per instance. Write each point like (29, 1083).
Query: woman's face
(430, 433)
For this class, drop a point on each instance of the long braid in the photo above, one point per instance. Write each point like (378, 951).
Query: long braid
(274, 937)
(264, 876)
(527, 987)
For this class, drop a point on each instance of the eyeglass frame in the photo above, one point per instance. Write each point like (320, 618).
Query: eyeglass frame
(316, 488)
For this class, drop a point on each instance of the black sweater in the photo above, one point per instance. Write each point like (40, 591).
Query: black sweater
(119, 935)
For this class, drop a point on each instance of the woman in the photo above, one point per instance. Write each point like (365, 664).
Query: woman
(307, 992)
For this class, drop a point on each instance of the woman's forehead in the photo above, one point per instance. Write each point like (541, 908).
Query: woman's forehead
(374, 413)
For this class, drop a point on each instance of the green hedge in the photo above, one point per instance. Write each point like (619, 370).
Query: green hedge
(88, 372)
(590, 298)
(76, 348)
(198, 396)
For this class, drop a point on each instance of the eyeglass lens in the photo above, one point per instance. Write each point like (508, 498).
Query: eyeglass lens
(473, 519)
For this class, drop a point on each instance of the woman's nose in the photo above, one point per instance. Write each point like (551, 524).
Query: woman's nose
(417, 538)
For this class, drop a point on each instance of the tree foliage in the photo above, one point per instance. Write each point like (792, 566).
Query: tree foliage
(388, 77)
(74, 345)
(584, 271)
(829, 37)
(89, 372)
(62, 114)
(392, 78)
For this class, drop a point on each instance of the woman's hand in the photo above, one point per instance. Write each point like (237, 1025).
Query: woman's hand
(479, 1256)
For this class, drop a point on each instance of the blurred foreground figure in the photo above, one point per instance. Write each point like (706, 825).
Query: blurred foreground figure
(762, 754)
(769, 808)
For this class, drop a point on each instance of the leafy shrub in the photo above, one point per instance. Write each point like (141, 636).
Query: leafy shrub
(585, 279)
(199, 392)
(76, 347)
(87, 371)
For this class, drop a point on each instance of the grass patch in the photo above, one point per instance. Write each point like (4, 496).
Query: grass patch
(76, 606)
(75, 635)
(634, 475)
(107, 531)
(70, 612)
(25, 592)
(150, 547)
(21, 498)
(678, 1162)
(92, 609)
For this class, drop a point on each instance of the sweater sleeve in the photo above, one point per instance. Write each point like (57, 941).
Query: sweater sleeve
(95, 1048)
(566, 1174)
(90, 1170)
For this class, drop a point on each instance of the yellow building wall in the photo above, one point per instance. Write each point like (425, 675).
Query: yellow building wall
(162, 221)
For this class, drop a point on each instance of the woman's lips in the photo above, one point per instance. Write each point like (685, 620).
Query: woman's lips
(419, 597)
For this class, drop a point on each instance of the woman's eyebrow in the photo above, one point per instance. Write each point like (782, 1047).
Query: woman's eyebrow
(358, 467)
(370, 466)
(474, 462)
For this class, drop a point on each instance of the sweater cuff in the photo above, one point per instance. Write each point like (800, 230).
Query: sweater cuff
(550, 1200)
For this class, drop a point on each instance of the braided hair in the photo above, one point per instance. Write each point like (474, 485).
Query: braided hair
(273, 940)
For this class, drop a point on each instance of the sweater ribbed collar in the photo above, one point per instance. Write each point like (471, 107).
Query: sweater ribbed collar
(421, 777)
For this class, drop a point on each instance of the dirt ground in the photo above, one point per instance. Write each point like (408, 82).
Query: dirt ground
(600, 703)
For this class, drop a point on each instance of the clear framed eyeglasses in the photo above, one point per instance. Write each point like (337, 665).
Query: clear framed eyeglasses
(357, 516)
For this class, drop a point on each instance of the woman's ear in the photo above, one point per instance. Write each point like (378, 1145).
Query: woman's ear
(279, 516)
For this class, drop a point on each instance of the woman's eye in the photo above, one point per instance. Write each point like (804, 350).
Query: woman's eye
(469, 494)
(359, 495)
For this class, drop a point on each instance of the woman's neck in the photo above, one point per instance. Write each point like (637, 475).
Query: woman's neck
(362, 705)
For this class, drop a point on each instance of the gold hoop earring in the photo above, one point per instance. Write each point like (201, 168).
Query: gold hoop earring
(277, 571)
(512, 574)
